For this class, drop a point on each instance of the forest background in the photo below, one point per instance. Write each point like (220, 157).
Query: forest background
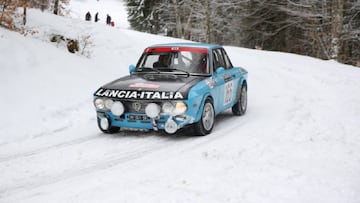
(326, 29)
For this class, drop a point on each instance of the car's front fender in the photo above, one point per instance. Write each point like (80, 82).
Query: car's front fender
(197, 97)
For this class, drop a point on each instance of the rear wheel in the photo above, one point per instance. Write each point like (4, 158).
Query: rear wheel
(207, 120)
(241, 105)
(105, 126)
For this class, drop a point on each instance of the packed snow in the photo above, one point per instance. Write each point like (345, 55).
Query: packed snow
(298, 142)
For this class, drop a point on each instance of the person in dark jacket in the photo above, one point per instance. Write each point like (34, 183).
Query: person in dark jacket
(108, 20)
(163, 61)
(97, 17)
(88, 16)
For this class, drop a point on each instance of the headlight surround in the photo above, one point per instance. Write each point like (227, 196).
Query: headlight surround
(174, 108)
(99, 103)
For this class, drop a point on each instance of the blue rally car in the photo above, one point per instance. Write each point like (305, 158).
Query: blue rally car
(171, 87)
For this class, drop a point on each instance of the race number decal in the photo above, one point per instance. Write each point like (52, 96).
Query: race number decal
(228, 92)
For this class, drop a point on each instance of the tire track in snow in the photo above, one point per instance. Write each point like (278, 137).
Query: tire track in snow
(219, 132)
(44, 149)
(139, 149)
(76, 172)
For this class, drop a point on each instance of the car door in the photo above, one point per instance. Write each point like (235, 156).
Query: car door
(226, 80)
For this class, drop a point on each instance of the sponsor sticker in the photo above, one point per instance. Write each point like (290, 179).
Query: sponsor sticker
(133, 94)
(144, 85)
(211, 83)
(229, 87)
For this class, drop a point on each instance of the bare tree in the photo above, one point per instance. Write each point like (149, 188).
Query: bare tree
(337, 9)
(56, 7)
(321, 28)
(8, 12)
(59, 6)
(177, 18)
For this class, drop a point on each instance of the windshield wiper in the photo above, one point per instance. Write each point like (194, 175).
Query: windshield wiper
(175, 69)
(146, 70)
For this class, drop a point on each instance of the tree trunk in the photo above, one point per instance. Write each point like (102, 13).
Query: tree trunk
(56, 7)
(207, 22)
(337, 9)
(187, 30)
(178, 19)
(44, 5)
(24, 15)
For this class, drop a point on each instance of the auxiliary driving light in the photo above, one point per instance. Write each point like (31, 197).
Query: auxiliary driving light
(152, 110)
(117, 108)
(104, 123)
(168, 107)
(170, 126)
(108, 103)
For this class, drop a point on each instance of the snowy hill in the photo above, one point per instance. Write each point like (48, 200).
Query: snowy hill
(298, 142)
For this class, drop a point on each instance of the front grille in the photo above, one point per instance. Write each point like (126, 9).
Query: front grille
(137, 106)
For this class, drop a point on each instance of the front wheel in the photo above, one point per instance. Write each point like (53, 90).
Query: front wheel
(240, 107)
(207, 120)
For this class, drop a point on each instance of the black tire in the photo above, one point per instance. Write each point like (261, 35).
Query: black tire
(207, 120)
(110, 130)
(240, 107)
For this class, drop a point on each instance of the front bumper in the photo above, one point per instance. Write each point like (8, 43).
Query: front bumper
(136, 116)
(141, 121)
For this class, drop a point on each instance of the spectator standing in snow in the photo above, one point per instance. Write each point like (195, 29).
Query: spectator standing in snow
(97, 17)
(88, 16)
(108, 20)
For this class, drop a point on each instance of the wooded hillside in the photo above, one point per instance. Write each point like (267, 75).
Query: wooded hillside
(327, 29)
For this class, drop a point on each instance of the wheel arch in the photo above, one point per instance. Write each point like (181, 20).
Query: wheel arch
(199, 112)
(242, 83)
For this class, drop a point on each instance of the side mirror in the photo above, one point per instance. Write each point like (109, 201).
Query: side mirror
(131, 69)
(220, 70)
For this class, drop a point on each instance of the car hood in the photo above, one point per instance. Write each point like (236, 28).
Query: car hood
(149, 86)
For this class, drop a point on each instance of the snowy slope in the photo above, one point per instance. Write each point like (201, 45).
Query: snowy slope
(298, 142)
(114, 8)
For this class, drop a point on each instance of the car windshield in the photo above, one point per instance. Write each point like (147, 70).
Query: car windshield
(175, 60)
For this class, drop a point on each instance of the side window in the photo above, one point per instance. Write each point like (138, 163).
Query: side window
(218, 59)
(227, 61)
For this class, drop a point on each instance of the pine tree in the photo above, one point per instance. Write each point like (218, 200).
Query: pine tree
(142, 16)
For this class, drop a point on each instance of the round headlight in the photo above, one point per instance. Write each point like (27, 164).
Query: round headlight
(180, 108)
(108, 103)
(99, 103)
(167, 107)
(117, 108)
(152, 110)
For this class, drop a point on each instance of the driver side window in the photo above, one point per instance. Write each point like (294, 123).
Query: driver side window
(227, 61)
(218, 60)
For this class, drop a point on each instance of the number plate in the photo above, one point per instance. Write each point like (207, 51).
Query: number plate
(137, 117)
